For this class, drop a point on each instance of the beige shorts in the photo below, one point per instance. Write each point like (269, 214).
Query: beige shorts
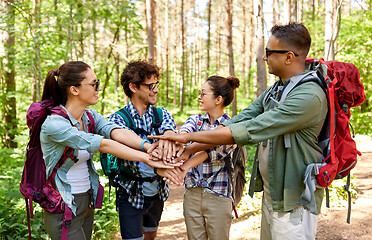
(207, 216)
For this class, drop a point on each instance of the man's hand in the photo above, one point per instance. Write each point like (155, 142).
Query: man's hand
(181, 138)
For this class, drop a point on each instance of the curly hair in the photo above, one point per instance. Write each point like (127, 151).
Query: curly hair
(136, 72)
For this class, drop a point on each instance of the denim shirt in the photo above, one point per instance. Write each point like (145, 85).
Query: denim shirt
(57, 133)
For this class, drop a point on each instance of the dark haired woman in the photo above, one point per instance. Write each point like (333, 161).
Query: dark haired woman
(73, 87)
(207, 204)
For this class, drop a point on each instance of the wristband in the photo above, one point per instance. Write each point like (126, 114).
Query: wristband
(143, 141)
(155, 169)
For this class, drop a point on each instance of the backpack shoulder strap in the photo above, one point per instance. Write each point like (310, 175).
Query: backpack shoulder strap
(91, 125)
(157, 119)
(127, 118)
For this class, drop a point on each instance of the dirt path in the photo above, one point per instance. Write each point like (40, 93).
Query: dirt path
(332, 222)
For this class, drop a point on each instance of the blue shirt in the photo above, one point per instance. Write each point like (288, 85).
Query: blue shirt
(57, 133)
(215, 176)
(135, 189)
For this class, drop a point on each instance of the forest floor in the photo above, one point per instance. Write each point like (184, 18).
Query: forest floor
(332, 222)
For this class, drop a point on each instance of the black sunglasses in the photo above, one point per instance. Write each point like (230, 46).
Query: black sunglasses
(95, 84)
(269, 52)
(151, 86)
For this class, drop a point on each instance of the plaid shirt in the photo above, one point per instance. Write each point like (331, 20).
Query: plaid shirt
(215, 176)
(135, 188)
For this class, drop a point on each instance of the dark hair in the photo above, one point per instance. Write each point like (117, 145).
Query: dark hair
(58, 80)
(224, 87)
(294, 35)
(136, 72)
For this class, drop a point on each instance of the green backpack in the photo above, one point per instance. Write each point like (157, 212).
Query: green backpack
(111, 164)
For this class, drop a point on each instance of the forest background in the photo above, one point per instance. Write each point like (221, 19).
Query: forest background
(189, 39)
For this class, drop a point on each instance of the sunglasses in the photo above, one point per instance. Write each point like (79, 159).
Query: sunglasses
(269, 52)
(151, 86)
(202, 94)
(95, 84)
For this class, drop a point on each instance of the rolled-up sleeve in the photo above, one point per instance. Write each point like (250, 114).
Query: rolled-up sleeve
(189, 125)
(57, 129)
(168, 122)
(240, 134)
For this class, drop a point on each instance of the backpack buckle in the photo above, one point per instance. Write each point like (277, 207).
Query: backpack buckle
(66, 223)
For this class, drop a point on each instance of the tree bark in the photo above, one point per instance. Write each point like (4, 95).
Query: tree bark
(183, 51)
(167, 50)
(229, 14)
(287, 11)
(244, 47)
(250, 43)
(261, 70)
(276, 12)
(175, 65)
(150, 24)
(10, 110)
(294, 10)
(209, 35)
(329, 51)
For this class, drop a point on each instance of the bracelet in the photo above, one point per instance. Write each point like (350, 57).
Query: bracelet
(155, 169)
(143, 141)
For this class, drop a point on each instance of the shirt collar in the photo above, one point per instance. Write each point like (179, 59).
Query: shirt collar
(218, 121)
(133, 111)
(75, 122)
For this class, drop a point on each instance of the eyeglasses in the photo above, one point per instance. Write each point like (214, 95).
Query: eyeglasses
(95, 84)
(151, 86)
(202, 94)
(269, 52)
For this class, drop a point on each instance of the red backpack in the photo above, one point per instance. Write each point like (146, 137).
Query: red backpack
(344, 90)
(341, 83)
(35, 187)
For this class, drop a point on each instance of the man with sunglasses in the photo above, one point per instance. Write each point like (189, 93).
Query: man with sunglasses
(286, 131)
(141, 193)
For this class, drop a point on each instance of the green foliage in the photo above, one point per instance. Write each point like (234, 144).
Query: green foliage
(13, 207)
(337, 193)
(106, 220)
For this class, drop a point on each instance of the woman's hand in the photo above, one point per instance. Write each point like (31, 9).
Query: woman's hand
(173, 176)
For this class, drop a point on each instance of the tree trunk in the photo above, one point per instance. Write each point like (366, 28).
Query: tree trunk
(209, 35)
(244, 52)
(81, 33)
(150, 24)
(183, 51)
(276, 12)
(167, 50)
(329, 51)
(219, 50)
(175, 64)
(229, 13)
(250, 45)
(294, 11)
(261, 70)
(10, 110)
(37, 66)
(300, 10)
(287, 11)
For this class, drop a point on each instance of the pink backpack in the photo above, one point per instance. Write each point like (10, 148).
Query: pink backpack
(34, 185)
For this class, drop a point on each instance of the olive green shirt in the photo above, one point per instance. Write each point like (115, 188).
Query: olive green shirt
(301, 115)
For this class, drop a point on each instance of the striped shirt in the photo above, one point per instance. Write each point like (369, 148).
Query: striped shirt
(135, 188)
(215, 176)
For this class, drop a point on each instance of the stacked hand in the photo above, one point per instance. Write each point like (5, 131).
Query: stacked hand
(171, 155)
